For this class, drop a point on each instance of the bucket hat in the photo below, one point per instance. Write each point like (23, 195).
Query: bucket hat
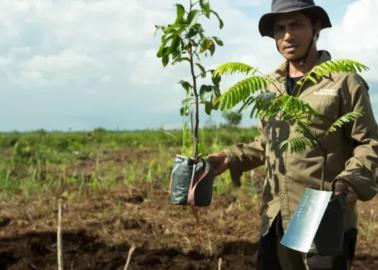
(289, 6)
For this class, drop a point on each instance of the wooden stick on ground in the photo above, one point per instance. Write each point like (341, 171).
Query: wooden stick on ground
(131, 251)
(59, 237)
(220, 264)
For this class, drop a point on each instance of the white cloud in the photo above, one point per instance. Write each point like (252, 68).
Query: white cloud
(56, 35)
(247, 4)
(356, 36)
(98, 58)
(63, 67)
(4, 61)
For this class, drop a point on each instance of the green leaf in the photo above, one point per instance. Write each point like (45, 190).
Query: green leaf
(216, 79)
(196, 29)
(218, 41)
(165, 60)
(186, 85)
(193, 17)
(168, 31)
(294, 108)
(203, 70)
(160, 51)
(204, 91)
(205, 5)
(203, 45)
(167, 36)
(163, 51)
(175, 44)
(332, 66)
(221, 24)
(185, 106)
(216, 93)
(207, 44)
(264, 108)
(296, 144)
(343, 120)
(211, 47)
(234, 67)
(214, 99)
(180, 12)
(176, 49)
(241, 91)
(208, 107)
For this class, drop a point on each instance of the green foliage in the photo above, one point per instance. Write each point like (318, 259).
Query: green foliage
(261, 94)
(79, 162)
(241, 91)
(253, 92)
(297, 144)
(266, 105)
(185, 41)
(233, 118)
(343, 120)
(332, 66)
(231, 68)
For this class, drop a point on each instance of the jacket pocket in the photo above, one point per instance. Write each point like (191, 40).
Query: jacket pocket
(327, 106)
(325, 102)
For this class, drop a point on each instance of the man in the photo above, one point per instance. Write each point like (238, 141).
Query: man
(352, 150)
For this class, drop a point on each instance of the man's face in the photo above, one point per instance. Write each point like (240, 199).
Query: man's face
(293, 34)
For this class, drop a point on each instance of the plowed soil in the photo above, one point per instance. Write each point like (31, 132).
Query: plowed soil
(99, 230)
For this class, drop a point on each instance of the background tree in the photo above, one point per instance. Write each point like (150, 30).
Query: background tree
(233, 118)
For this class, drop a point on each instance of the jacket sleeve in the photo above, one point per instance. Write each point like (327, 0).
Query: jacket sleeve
(244, 157)
(360, 169)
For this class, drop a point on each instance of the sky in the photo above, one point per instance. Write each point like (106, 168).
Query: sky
(85, 64)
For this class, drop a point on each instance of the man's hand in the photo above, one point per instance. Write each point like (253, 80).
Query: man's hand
(219, 162)
(343, 188)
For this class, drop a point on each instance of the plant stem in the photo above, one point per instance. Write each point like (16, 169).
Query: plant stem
(324, 167)
(196, 104)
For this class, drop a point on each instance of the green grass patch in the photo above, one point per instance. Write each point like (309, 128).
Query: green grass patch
(34, 163)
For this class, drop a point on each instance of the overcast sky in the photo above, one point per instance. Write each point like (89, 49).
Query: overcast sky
(82, 64)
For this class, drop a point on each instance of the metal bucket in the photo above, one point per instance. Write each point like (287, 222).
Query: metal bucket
(306, 219)
(317, 224)
(329, 238)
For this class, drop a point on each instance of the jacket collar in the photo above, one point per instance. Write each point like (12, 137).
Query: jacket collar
(281, 72)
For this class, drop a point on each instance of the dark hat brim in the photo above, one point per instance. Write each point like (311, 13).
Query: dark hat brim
(267, 21)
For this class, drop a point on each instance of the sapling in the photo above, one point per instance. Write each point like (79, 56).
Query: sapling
(184, 41)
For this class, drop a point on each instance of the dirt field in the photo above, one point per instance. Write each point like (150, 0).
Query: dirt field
(99, 228)
(98, 231)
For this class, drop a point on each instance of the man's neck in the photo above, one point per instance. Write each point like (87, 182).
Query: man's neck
(300, 68)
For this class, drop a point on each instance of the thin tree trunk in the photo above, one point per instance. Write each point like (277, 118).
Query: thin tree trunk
(196, 105)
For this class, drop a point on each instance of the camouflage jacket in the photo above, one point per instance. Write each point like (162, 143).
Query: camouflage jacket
(352, 150)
